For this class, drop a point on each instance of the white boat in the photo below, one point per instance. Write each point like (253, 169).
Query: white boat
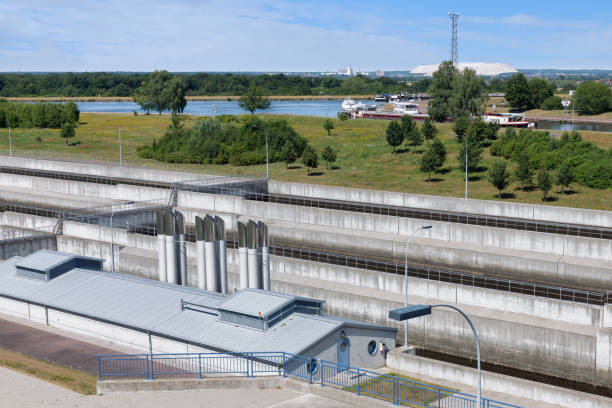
(506, 119)
(349, 105)
(406, 108)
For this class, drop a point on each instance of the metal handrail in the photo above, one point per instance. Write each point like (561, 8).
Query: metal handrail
(314, 371)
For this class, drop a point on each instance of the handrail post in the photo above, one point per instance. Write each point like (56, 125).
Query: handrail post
(358, 380)
(438, 397)
(309, 367)
(99, 372)
(148, 372)
(200, 364)
(284, 367)
(395, 394)
(152, 367)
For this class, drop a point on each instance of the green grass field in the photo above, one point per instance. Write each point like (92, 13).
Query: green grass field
(364, 160)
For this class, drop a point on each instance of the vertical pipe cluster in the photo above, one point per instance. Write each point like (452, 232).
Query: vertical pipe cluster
(254, 255)
(171, 247)
(211, 248)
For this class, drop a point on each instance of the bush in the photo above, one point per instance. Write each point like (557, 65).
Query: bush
(225, 139)
(38, 115)
(551, 103)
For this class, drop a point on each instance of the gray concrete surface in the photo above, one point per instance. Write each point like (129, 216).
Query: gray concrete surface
(21, 391)
(52, 347)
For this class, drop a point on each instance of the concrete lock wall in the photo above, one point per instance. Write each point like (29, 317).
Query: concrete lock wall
(79, 188)
(451, 232)
(495, 382)
(140, 173)
(26, 245)
(581, 216)
(504, 263)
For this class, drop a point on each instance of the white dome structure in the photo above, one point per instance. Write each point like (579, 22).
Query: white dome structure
(481, 68)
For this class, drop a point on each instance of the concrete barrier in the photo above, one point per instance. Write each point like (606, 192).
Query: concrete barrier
(597, 218)
(413, 365)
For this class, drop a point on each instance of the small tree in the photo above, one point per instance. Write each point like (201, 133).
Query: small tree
(289, 154)
(310, 159)
(474, 153)
(329, 155)
(415, 137)
(329, 126)
(524, 171)
(254, 99)
(429, 130)
(461, 126)
(395, 136)
(429, 163)
(564, 176)
(544, 183)
(72, 111)
(440, 152)
(343, 116)
(407, 124)
(499, 176)
(67, 131)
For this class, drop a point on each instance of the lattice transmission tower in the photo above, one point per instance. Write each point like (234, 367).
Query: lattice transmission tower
(454, 55)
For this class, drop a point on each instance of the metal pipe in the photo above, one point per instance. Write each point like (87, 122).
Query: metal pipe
(182, 246)
(171, 272)
(212, 283)
(10, 139)
(243, 257)
(254, 281)
(423, 227)
(112, 243)
(161, 247)
(466, 166)
(265, 256)
(222, 254)
(200, 252)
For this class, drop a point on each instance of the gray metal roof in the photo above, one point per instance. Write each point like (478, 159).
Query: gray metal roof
(251, 302)
(44, 260)
(155, 306)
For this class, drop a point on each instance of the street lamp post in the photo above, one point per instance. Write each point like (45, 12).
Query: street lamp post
(466, 166)
(265, 128)
(424, 227)
(120, 155)
(10, 140)
(415, 311)
(112, 243)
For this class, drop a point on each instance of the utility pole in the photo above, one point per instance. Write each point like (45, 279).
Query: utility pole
(10, 140)
(267, 161)
(120, 152)
(454, 55)
(466, 165)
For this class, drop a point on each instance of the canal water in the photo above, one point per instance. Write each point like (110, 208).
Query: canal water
(213, 108)
(557, 125)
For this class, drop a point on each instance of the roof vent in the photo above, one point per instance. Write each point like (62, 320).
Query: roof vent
(45, 265)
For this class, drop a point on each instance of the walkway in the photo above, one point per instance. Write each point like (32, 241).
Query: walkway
(48, 346)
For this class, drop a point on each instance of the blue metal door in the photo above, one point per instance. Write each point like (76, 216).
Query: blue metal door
(343, 354)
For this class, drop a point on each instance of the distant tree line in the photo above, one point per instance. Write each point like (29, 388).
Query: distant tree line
(92, 84)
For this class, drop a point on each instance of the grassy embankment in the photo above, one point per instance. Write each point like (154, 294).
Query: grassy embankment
(69, 378)
(364, 157)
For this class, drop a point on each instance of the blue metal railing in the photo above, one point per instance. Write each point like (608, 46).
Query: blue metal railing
(396, 390)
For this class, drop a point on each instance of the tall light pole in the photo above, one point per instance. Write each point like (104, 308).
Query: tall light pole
(424, 227)
(415, 311)
(10, 140)
(112, 243)
(466, 166)
(120, 152)
(265, 128)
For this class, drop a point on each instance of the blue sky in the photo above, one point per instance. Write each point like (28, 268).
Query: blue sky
(258, 35)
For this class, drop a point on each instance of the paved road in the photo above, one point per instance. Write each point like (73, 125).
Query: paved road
(49, 346)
